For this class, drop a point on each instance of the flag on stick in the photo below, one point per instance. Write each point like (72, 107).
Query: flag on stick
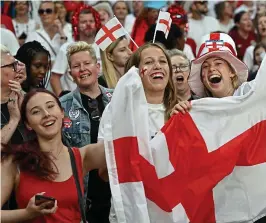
(163, 24)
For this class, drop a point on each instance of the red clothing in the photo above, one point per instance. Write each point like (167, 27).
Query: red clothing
(241, 43)
(72, 6)
(7, 22)
(64, 192)
(138, 33)
(192, 44)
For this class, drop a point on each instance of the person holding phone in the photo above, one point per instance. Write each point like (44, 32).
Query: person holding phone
(40, 171)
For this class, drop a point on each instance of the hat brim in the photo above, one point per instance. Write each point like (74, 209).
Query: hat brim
(195, 83)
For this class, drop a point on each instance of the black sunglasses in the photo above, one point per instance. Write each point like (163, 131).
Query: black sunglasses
(95, 114)
(14, 65)
(47, 11)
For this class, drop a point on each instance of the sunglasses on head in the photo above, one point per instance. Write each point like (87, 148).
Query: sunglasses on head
(95, 114)
(47, 11)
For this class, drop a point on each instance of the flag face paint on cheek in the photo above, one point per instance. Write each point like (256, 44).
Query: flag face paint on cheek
(143, 70)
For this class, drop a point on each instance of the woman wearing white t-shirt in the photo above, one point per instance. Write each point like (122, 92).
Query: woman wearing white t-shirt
(23, 25)
(156, 74)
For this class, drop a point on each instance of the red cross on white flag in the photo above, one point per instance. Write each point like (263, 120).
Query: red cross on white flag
(163, 23)
(203, 167)
(109, 32)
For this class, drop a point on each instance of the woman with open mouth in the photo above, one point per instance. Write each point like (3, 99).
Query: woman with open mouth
(216, 72)
(181, 69)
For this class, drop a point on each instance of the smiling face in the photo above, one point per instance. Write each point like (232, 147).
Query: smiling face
(104, 16)
(38, 68)
(180, 66)
(120, 53)
(84, 69)
(154, 69)
(44, 115)
(87, 25)
(217, 77)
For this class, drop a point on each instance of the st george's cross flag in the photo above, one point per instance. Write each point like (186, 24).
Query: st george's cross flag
(109, 32)
(163, 23)
(203, 167)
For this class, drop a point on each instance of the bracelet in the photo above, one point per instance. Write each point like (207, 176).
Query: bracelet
(63, 37)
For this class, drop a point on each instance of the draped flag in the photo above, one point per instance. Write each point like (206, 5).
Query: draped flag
(203, 167)
(109, 32)
(163, 24)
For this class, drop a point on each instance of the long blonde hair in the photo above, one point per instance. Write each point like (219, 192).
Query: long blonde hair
(108, 69)
(170, 98)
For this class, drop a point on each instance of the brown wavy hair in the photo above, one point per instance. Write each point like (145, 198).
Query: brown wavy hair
(170, 98)
(28, 156)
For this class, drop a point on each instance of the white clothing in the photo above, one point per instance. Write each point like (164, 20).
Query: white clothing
(244, 88)
(68, 31)
(129, 22)
(228, 27)
(199, 28)
(35, 7)
(156, 120)
(248, 57)
(188, 52)
(9, 40)
(54, 44)
(24, 27)
(61, 66)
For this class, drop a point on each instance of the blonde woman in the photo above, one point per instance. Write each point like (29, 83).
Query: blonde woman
(114, 59)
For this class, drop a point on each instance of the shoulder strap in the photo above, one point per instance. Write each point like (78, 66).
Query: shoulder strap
(76, 177)
(46, 42)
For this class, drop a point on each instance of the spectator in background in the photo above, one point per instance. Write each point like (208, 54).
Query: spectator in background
(260, 25)
(261, 7)
(181, 68)
(258, 55)
(22, 23)
(175, 39)
(147, 17)
(51, 35)
(179, 17)
(114, 59)
(105, 10)
(71, 7)
(200, 24)
(12, 131)
(9, 40)
(242, 33)
(121, 10)
(6, 22)
(224, 14)
(62, 16)
(38, 65)
(130, 18)
(86, 23)
(247, 6)
(83, 108)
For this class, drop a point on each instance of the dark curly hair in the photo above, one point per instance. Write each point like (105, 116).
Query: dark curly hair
(25, 54)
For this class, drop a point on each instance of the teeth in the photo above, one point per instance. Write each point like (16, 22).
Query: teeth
(214, 76)
(49, 123)
(157, 75)
(84, 76)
